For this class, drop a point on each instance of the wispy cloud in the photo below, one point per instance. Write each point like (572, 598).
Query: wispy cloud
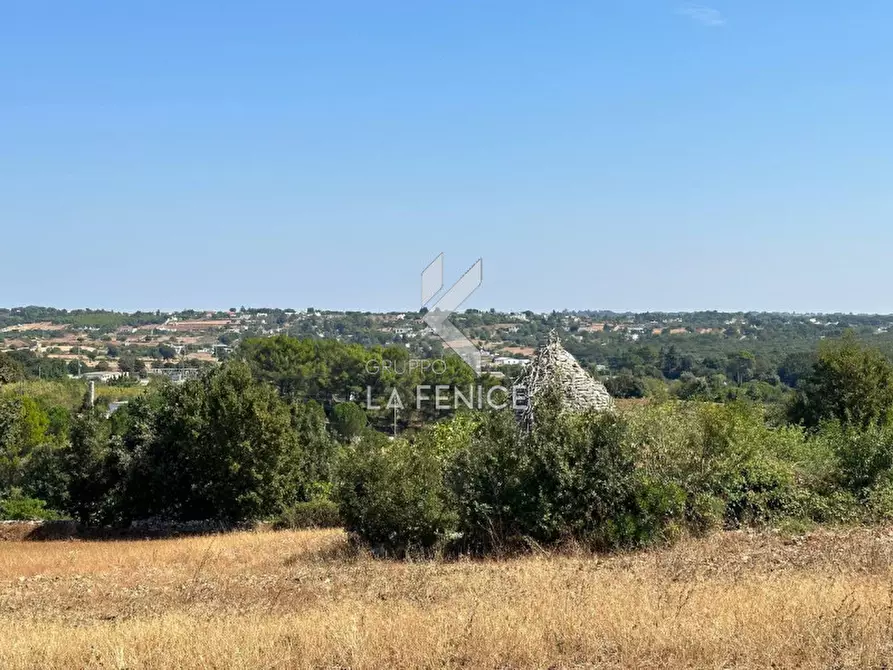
(706, 16)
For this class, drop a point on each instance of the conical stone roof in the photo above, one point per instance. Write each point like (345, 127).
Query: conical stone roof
(553, 367)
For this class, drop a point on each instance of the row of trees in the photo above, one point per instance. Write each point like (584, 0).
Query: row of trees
(80, 318)
(225, 446)
(331, 372)
(275, 427)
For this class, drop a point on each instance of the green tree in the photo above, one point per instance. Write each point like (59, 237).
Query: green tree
(318, 448)
(850, 382)
(85, 469)
(741, 366)
(23, 426)
(10, 370)
(220, 447)
(167, 352)
(795, 367)
(309, 369)
(348, 420)
(45, 476)
(626, 386)
(131, 364)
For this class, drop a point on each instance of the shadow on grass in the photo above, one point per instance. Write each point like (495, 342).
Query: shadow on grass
(54, 531)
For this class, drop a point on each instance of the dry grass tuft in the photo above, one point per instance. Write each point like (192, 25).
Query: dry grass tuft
(304, 600)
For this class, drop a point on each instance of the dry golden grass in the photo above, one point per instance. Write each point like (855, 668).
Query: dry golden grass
(303, 600)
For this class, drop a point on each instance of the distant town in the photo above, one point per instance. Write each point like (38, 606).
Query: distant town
(104, 345)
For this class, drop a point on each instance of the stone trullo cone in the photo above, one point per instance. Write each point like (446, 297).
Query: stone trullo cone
(553, 367)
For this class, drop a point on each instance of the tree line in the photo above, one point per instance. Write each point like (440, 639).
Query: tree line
(276, 432)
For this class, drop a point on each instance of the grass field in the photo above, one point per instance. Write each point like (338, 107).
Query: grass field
(304, 600)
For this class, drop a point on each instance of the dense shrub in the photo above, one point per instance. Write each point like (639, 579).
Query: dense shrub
(586, 486)
(831, 507)
(864, 457)
(11, 370)
(571, 478)
(225, 447)
(311, 514)
(489, 483)
(390, 494)
(879, 502)
(18, 507)
(602, 480)
(856, 482)
(733, 468)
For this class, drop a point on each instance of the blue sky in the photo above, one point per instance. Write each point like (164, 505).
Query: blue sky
(626, 155)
